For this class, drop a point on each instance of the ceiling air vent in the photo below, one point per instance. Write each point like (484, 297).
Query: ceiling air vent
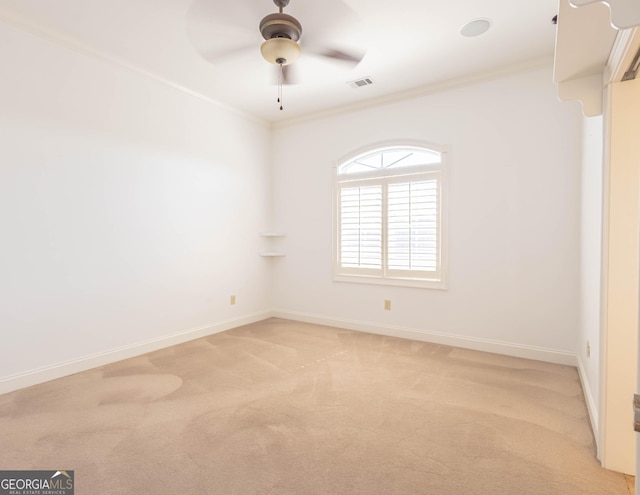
(360, 83)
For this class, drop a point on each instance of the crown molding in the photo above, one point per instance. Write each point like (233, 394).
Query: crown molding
(438, 87)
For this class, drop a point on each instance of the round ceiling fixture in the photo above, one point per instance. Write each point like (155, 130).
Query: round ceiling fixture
(475, 28)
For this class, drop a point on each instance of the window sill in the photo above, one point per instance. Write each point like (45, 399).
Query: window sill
(398, 282)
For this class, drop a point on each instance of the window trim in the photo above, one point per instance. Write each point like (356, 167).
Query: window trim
(385, 177)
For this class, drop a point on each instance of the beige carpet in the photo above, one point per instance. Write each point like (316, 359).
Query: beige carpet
(280, 407)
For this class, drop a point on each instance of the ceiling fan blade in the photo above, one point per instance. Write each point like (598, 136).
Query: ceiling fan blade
(289, 75)
(217, 32)
(237, 13)
(217, 55)
(335, 33)
(335, 17)
(352, 56)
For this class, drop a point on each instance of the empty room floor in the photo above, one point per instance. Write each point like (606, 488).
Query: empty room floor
(282, 407)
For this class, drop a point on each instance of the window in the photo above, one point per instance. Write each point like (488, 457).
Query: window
(389, 217)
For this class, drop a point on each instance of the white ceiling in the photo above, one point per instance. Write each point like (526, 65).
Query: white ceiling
(411, 45)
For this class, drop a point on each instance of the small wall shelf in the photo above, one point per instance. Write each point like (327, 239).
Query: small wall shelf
(270, 244)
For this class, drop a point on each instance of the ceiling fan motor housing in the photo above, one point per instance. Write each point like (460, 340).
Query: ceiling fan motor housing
(280, 25)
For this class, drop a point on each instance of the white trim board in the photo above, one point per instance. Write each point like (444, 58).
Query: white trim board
(506, 348)
(592, 407)
(45, 374)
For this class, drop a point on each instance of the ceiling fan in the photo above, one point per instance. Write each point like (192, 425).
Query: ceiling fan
(221, 34)
(282, 33)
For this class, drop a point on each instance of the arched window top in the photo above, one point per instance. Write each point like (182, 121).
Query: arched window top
(391, 158)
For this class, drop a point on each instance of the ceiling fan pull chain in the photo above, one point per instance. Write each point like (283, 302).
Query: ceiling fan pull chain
(280, 78)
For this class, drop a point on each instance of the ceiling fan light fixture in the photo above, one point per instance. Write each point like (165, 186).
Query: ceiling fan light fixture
(280, 51)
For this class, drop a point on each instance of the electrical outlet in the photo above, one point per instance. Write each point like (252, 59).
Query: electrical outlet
(387, 304)
(232, 300)
(588, 349)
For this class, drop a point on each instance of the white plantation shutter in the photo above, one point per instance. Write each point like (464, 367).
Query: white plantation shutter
(389, 218)
(412, 226)
(361, 227)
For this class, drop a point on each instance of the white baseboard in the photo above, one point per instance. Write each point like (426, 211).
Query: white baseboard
(41, 375)
(485, 345)
(592, 407)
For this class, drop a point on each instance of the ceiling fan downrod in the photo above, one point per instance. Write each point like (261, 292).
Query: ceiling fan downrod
(281, 4)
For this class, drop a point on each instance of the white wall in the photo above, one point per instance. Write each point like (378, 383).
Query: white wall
(514, 217)
(130, 214)
(129, 211)
(591, 264)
